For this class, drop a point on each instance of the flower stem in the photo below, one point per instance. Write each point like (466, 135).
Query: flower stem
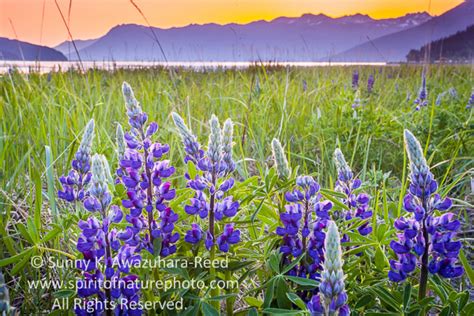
(212, 270)
(424, 259)
(149, 189)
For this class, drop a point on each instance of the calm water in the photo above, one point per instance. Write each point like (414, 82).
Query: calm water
(47, 66)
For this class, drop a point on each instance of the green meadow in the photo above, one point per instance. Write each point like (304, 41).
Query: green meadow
(308, 109)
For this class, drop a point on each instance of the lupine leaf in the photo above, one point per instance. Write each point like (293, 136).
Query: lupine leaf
(296, 300)
(467, 266)
(208, 309)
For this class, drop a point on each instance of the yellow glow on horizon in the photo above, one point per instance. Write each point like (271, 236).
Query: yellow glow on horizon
(93, 18)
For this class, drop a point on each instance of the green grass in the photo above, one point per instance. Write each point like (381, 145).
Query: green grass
(42, 117)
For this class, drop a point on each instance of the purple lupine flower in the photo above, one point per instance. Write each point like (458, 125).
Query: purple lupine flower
(422, 99)
(74, 183)
(143, 171)
(425, 239)
(355, 80)
(303, 223)
(470, 103)
(332, 298)
(370, 83)
(99, 243)
(357, 203)
(211, 184)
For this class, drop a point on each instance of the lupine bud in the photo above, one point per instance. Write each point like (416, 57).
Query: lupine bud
(136, 117)
(227, 132)
(332, 297)
(85, 148)
(215, 142)
(343, 169)
(131, 103)
(100, 196)
(120, 139)
(191, 146)
(281, 163)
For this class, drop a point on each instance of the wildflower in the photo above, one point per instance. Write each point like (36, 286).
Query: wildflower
(358, 204)
(143, 172)
(425, 239)
(332, 298)
(440, 97)
(78, 178)
(121, 146)
(355, 80)
(99, 243)
(470, 103)
(453, 92)
(303, 223)
(370, 83)
(281, 163)
(211, 184)
(422, 99)
(192, 148)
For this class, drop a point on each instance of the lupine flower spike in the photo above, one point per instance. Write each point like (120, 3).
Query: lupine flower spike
(470, 103)
(302, 231)
(355, 80)
(357, 203)
(332, 298)
(98, 243)
(211, 185)
(422, 99)
(279, 156)
(370, 83)
(143, 172)
(426, 238)
(74, 184)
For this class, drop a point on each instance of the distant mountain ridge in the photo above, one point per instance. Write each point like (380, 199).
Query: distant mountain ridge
(304, 38)
(17, 50)
(394, 47)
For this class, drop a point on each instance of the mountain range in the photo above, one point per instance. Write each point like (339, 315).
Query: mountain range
(305, 38)
(395, 46)
(18, 50)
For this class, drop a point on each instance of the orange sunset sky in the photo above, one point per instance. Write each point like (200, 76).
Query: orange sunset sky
(93, 18)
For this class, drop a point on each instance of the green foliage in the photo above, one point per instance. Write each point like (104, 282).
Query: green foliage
(40, 131)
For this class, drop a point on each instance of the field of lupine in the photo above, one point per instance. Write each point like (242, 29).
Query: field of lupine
(266, 191)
